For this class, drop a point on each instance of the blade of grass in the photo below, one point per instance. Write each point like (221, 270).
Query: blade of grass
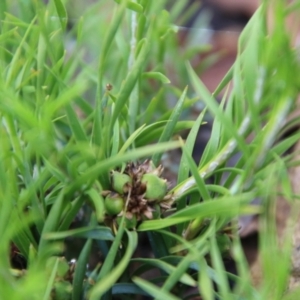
(153, 290)
(183, 170)
(62, 13)
(96, 233)
(75, 124)
(127, 288)
(52, 222)
(98, 203)
(198, 179)
(204, 282)
(158, 244)
(51, 280)
(212, 105)
(14, 65)
(224, 206)
(131, 139)
(130, 81)
(177, 274)
(132, 5)
(217, 262)
(105, 283)
(158, 76)
(150, 136)
(115, 139)
(71, 214)
(80, 270)
(169, 129)
(106, 44)
(181, 274)
(109, 261)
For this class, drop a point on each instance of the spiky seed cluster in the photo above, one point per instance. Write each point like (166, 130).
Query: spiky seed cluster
(142, 189)
(62, 287)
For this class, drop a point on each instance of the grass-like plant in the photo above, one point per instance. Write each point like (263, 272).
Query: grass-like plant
(85, 117)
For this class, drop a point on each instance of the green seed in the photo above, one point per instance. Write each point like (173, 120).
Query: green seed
(113, 204)
(130, 223)
(121, 182)
(223, 242)
(62, 267)
(62, 290)
(156, 187)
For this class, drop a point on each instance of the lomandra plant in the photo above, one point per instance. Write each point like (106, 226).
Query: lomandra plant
(85, 142)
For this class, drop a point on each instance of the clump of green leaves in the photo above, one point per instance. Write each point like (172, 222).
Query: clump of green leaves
(71, 117)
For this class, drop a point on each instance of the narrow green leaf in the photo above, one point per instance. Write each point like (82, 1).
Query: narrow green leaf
(80, 270)
(98, 203)
(132, 5)
(158, 76)
(218, 265)
(199, 180)
(51, 280)
(52, 221)
(115, 139)
(152, 135)
(3, 9)
(20, 111)
(110, 258)
(129, 83)
(213, 145)
(169, 269)
(225, 206)
(106, 43)
(178, 274)
(218, 189)
(75, 124)
(153, 290)
(15, 63)
(142, 21)
(169, 129)
(204, 281)
(183, 171)
(72, 212)
(213, 106)
(66, 97)
(97, 133)
(217, 203)
(131, 139)
(54, 170)
(226, 79)
(105, 283)
(62, 13)
(96, 233)
(80, 29)
(127, 288)
(158, 244)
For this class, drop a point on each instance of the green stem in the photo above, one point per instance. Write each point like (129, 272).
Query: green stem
(134, 99)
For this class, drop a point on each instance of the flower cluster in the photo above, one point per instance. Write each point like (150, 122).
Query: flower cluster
(139, 192)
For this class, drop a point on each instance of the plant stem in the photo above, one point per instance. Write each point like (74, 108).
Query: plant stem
(134, 99)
